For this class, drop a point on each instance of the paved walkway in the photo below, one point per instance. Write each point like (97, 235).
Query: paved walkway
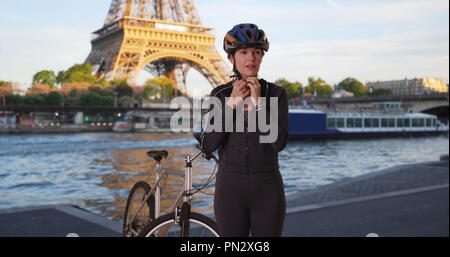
(408, 200)
(55, 221)
(389, 180)
(411, 214)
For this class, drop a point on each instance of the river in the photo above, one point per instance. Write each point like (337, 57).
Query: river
(96, 170)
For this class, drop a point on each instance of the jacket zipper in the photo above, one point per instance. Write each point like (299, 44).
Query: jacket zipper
(246, 143)
(247, 155)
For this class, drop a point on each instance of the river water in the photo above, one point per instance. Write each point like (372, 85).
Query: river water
(96, 170)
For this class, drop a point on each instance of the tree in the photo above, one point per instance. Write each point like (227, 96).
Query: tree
(54, 98)
(77, 73)
(77, 87)
(97, 88)
(149, 91)
(40, 89)
(160, 88)
(104, 82)
(14, 99)
(353, 85)
(35, 100)
(59, 77)
(319, 87)
(6, 88)
(94, 99)
(45, 77)
(293, 90)
(122, 88)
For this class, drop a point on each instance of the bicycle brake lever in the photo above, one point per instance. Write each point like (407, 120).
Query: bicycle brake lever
(206, 155)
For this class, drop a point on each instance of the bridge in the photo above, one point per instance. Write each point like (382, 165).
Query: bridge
(436, 104)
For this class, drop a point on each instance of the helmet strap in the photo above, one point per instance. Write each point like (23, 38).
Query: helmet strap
(237, 75)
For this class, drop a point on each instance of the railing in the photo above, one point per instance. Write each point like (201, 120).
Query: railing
(153, 24)
(390, 98)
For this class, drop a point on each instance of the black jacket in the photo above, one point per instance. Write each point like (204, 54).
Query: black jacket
(242, 152)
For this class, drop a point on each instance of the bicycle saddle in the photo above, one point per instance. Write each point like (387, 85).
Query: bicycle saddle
(158, 155)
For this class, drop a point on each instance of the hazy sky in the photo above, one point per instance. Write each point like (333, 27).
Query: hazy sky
(331, 39)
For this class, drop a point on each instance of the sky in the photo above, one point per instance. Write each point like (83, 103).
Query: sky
(331, 39)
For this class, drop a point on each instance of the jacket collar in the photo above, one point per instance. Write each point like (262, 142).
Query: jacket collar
(264, 88)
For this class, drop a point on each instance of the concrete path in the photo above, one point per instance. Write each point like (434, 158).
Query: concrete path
(55, 221)
(407, 200)
(411, 214)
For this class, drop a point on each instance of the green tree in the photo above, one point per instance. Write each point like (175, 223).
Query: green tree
(45, 77)
(14, 99)
(353, 85)
(149, 91)
(94, 99)
(35, 100)
(54, 98)
(104, 82)
(159, 87)
(77, 73)
(122, 88)
(293, 90)
(59, 77)
(318, 86)
(101, 91)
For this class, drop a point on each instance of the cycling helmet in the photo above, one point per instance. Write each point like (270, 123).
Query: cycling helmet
(245, 35)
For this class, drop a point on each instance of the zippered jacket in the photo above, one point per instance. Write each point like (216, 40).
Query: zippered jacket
(242, 152)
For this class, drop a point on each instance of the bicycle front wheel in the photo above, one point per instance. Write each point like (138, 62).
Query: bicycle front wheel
(138, 214)
(165, 226)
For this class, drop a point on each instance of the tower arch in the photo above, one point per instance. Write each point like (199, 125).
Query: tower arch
(165, 37)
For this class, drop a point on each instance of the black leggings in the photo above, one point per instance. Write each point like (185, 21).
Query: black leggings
(249, 202)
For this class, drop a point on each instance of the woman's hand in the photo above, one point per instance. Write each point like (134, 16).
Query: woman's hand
(255, 89)
(240, 92)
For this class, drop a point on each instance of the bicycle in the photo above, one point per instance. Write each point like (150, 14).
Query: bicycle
(142, 212)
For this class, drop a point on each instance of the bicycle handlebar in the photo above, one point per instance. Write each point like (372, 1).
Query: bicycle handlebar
(206, 155)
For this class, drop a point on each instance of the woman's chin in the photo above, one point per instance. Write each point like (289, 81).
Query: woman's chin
(249, 74)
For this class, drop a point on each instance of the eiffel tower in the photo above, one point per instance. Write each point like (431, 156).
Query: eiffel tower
(164, 37)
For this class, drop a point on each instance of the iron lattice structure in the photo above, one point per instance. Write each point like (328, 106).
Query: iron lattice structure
(164, 37)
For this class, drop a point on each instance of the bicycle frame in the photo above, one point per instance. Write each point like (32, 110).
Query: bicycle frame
(162, 173)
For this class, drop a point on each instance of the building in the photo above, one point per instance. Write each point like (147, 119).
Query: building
(416, 86)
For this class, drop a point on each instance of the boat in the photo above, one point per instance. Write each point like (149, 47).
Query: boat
(315, 124)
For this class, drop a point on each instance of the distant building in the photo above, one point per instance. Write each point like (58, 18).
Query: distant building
(416, 86)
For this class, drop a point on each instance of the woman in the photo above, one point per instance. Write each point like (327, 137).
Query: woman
(249, 194)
